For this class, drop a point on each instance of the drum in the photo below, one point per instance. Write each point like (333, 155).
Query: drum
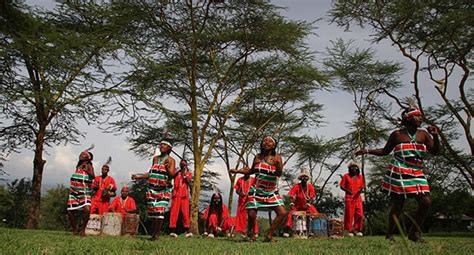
(94, 225)
(299, 224)
(317, 224)
(112, 224)
(130, 224)
(336, 228)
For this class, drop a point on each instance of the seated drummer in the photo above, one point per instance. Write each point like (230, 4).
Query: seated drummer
(217, 218)
(123, 204)
(301, 196)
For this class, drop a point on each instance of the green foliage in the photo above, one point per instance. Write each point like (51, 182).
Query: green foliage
(356, 70)
(437, 40)
(15, 200)
(52, 67)
(53, 71)
(53, 213)
(210, 59)
(441, 28)
(331, 205)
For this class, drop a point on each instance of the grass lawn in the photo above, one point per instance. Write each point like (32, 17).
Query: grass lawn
(16, 241)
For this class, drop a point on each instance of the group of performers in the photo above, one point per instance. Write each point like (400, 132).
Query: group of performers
(403, 179)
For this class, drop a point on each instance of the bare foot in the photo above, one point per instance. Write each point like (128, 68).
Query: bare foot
(390, 238)
(269, 239)
(415, 236)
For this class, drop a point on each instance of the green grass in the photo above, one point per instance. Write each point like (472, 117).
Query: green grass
(16, 241)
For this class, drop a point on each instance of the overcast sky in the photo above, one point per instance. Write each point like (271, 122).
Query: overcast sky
(338, 109)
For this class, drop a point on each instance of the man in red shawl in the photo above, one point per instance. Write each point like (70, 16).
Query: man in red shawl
(301, 195)
(123, 204)
(353, 184)
(104, 187)
(180, 199)
(242, 187)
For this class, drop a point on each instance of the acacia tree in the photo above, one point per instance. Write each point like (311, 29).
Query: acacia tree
(150, 136)
(280, 104)
(51, 65)
(355, 71)
(195, 55)
(320, 156)
(437, 40)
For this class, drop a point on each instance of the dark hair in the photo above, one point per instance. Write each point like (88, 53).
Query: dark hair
(81, 161)
(405, 121)
(217, 208)
(273, 151)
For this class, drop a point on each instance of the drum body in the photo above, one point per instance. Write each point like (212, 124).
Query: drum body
(317, 224)
(130, 224)
(94, 225)
(299, 224)
(112, 224)
(336, 228)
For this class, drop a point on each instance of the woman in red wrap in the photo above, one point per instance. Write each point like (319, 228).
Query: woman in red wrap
(242, 187)
(217, 217)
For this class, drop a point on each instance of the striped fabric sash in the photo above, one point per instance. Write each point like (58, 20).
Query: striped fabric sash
(405, 174)
(80, 182)
(79, 191)
(266, 179)
(159, 179)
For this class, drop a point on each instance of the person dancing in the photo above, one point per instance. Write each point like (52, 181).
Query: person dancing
(79, 199)
(405, 177)
(159, 186)
(264, 193)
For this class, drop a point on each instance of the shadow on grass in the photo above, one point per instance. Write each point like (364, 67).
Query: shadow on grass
(451, 234)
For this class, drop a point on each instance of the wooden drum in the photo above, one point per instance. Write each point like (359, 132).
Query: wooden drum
(94, 225)
(112, 224)
(336, 228)
(299, 224)
(317, 224)
(130, 224)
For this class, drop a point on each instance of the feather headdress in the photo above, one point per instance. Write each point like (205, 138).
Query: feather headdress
(109, 161)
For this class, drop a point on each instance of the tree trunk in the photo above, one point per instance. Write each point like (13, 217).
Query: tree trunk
(38, 167)
(194, 224)
(231, 193)
(199, 166)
